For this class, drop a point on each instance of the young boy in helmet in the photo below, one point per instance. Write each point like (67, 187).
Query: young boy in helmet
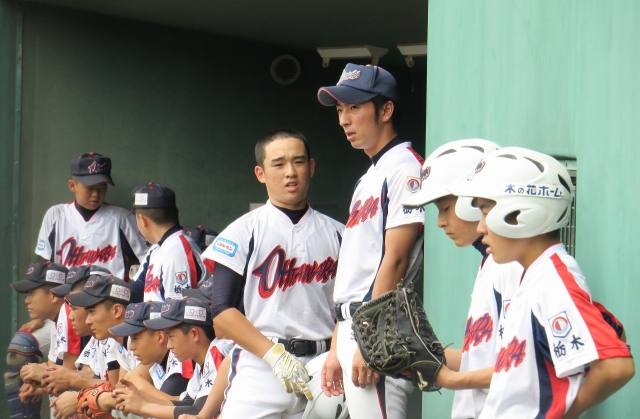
(448, 164)
(553, 333)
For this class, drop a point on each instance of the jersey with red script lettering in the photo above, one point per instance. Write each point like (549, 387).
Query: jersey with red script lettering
(376, 206)
(552, 331)
(65, 339)
(289, 270)
(204, 375)
(109, 239)
(495, 283)
(171, 265)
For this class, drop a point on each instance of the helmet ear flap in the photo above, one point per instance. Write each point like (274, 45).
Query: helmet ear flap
(531, 218)
(465, 211)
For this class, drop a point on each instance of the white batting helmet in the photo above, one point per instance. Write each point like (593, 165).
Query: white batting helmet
(450, 163)
(323, 407)
(535, 186)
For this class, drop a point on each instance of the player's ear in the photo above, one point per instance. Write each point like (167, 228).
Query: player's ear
(72, 186)
(387, 111)
(312, 167)
(118, 311)
(259, 171)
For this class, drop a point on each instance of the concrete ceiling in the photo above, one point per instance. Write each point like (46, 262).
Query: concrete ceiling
(304, 24)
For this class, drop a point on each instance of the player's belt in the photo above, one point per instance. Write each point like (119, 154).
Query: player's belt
(300, 347)
(345, 311)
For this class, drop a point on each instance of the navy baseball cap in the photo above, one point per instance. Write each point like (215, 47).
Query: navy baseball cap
(39, 274)
(77, 273)
(204, 292)
(134, 318)
(153, 195)
(99, 288)
(201, 235)
(92, 168)
(176, 312)
(359, 83)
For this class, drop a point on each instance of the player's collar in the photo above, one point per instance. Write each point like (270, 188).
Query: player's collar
(168, 233)
(541, 260)
(397, 140)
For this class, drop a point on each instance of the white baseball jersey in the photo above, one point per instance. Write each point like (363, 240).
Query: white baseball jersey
(64, 338)
(121, 354)
(551, 332)
(376, 206)
(109, 239)
(289, 270)
(171, 265)
(159, 373)
(493, 288)
(204, 375)
(94, 355)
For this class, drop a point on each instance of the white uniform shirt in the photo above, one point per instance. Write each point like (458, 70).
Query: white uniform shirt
(551, 332)
(376, 206)
(495, 283)
(95, 356)
(65, 338)
(170, 266)
(204, 375)
(289, 270)
(159, 373)
(108, 239)
(118, 352)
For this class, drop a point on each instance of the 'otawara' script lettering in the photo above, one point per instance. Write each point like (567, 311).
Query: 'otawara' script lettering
(151, 282)
(477, 331)
(285, 273)
(71, 254)
(514, 354)
(362, 212)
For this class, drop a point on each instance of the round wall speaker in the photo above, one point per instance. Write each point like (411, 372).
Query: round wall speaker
(285, 69)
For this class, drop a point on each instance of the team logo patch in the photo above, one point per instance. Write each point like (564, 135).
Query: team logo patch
(159, 371)
(205, 370)
(480, 166)
(424, 173)
(207, 284)
(224, 246)
(195, 313)
(128, 315)
(413, 184)
(90, 283)
(560, 325)
(165, 308)
(72, 274)
(30, 270)
(181, 278)
(95, 168)
(118, 291)
(141, 199)
(154, 316)
(41, 245)
(59, 330)
(505, 308)
(55, 276)
(349, 75)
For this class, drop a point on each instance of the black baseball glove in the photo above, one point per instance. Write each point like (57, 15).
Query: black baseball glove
(394, 335)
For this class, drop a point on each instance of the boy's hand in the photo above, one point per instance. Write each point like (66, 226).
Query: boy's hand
(58, 379)
(32, 326)
(331, 376)
(32, 374)
(128, 399)
(65, 405)
(29, 393)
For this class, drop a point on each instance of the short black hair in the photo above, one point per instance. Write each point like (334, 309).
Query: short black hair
(208, 331)
(79, 284)
(396, 117)
(161, 216)
(279, 134)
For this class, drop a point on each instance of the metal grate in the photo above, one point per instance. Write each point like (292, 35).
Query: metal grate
(568, 233)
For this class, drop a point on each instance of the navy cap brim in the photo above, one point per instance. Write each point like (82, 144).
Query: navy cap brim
(91, 180)
(82, 299)
(25, 285)
(126, 329)
(62, 290)
(329, 96)
(195, 293)
(160, 323)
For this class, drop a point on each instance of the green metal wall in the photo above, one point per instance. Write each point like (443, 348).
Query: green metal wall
(562, 78)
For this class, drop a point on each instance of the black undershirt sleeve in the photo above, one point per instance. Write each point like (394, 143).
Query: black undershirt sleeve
(174, 385)
(227, 291)
(194, 409)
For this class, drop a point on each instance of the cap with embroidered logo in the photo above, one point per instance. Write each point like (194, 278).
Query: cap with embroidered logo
(176, 312)
(204, 292)
(99, 288)
(201, 235)
(153, 195)
(77, 273)
(359, 83)
(134, 318)
(39, 274)
(91, 168)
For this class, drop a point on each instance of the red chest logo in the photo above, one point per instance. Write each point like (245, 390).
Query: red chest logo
(71, 254)
(363, 212)
(512, 355)
(477, 331)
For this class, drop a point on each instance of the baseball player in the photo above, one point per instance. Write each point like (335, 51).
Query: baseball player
(552, 334)
(88, 230)
(382, 241)
(494, 284)
(173, 261)
(188, 325)
(277, 265)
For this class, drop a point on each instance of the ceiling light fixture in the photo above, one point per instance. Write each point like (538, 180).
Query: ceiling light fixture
(412, 50)
(361, 51)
